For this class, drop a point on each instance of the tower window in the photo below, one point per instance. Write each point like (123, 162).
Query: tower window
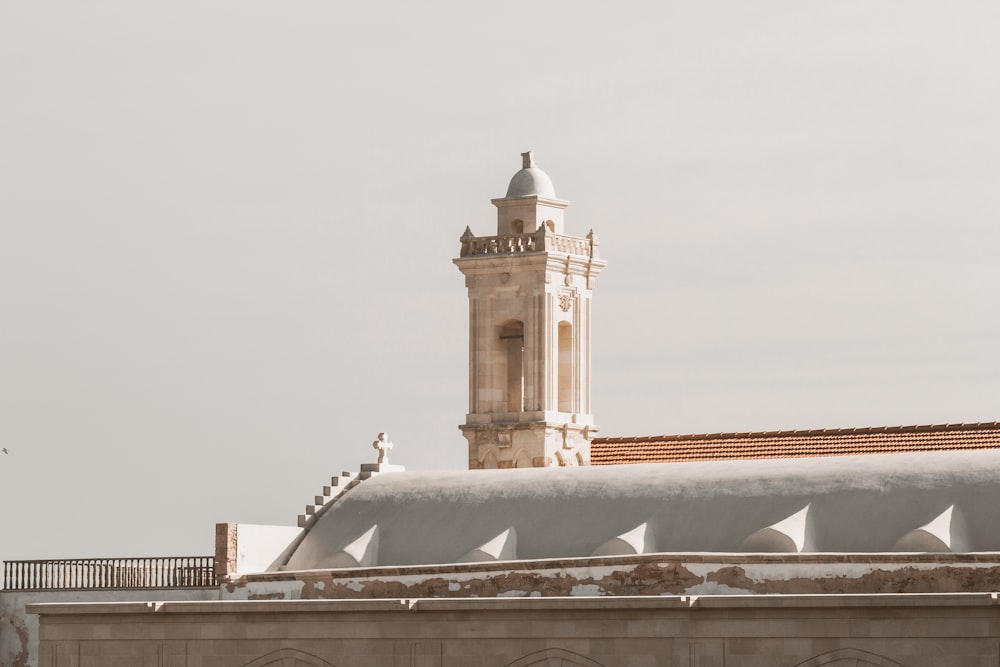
(517, 227)
(512, 341)
(566, 367)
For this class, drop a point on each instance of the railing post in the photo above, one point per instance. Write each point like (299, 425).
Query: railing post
(109, 573)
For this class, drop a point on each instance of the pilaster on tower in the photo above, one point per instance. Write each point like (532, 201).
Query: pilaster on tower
(530, 289)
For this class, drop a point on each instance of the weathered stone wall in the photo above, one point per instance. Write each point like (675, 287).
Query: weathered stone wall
(716, 631)
(19, 630)
(653, 574)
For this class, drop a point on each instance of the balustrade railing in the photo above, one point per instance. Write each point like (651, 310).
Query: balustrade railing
(568, 244)
(109, 573)
(499, 245)
(523, 243)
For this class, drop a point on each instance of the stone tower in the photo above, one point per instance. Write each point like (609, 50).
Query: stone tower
(529, 331)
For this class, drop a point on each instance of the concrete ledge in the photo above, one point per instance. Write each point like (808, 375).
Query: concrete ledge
(217, 607)
(550, 603)
(518, 604)
(845, 600)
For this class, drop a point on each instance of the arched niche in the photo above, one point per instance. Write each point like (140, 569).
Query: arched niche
(501, 547)
(522, 459)
(634, 541)
(939, 535)
(768, 541)
(489, 460)
(786, 536)
(289, 657)
(920, 541)
(554, 657)
(361, 552)
(511, 334)
(849, 657)
(565, 362)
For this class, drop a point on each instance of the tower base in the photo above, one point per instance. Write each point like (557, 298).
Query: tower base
(528, 445)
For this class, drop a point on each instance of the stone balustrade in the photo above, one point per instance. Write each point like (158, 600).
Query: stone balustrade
(540, 241)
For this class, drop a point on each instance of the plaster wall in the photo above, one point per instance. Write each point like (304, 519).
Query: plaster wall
(247, 547)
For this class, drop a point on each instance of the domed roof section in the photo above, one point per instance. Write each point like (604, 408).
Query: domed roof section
(530, 181)
(855, 504)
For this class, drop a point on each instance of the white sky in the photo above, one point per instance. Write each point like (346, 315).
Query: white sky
(226, 232)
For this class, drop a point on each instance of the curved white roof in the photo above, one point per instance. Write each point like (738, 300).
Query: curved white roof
(530, 182)
(852, 504)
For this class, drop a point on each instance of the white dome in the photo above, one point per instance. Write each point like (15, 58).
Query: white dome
(531, 182)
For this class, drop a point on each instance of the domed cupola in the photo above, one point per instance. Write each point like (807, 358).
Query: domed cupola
(530, 202)
(530, 181)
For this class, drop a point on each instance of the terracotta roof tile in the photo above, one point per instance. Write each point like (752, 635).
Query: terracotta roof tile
(794, 444)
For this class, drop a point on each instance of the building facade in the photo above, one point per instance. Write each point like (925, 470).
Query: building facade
(851, 547)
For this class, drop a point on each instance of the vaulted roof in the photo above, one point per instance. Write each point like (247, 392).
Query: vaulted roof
(794, 444)
(924, 501)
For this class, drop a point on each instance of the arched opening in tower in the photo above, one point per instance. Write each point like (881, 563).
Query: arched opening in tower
(512, 337)
(565, 367)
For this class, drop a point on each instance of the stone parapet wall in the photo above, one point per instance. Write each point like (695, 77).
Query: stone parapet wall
(19, 629)
(690, 631)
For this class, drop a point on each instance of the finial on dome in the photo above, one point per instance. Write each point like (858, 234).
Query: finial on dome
(527, 160)
(384, 445)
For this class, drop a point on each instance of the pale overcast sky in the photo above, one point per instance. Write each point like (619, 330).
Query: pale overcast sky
(226, 232)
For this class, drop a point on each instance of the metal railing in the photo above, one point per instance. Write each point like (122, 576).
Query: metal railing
(109, 573)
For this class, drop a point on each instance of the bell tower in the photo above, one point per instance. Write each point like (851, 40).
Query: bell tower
(530, 288)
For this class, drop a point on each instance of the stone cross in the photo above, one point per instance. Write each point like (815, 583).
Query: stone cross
(384, 446)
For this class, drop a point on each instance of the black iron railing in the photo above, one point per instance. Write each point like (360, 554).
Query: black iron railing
(108, 573)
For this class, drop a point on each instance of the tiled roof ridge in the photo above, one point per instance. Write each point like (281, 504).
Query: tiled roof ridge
(869, 430)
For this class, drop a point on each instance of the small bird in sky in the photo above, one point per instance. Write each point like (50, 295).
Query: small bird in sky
(4, 450)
